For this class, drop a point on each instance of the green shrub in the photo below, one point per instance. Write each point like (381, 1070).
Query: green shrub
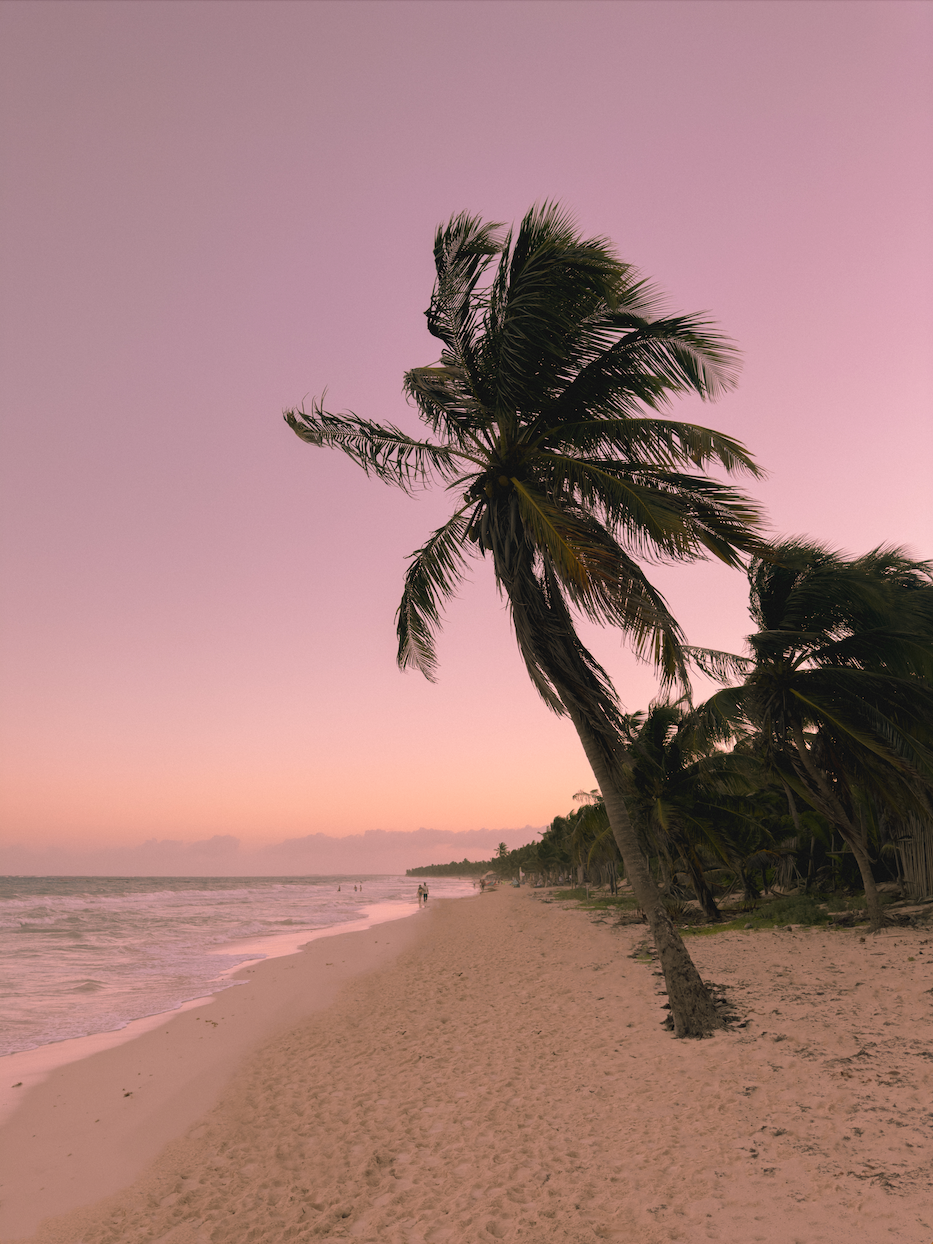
(795, 909)
(805, 909)
(852, 902)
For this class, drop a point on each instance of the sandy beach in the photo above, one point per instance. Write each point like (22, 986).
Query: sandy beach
(494, 1068)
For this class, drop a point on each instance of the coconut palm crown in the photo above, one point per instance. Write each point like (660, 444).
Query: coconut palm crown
(541, 410)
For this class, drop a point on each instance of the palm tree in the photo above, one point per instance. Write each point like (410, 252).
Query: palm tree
(696, 806)
(543, 418)
(552, 852)
(592, 843)
(667, 797)
(837, 685)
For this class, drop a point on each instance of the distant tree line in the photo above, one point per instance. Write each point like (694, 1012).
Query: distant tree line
(466, 868)
(469, 868)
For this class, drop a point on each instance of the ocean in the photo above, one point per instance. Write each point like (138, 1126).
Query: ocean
(85, 955)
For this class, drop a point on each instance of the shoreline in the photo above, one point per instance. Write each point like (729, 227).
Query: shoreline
(503, 1075)
(104, 1114)
(119, 975)
(27, 1068)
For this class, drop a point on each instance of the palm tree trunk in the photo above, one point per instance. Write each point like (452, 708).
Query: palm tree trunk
(692, 1009)
(568, 678)
(872, 901)
(810, 865)
(702, 889)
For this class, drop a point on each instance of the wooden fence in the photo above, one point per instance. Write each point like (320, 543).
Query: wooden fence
(916, 851)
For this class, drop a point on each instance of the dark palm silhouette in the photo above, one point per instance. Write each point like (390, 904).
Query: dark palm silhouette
(543, 417)
(837, 687)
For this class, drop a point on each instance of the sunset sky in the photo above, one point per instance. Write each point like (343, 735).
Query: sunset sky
(211, 211)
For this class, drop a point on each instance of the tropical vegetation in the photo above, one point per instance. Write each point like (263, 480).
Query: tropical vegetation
(836, 692)
(547, 420)
(463, 868)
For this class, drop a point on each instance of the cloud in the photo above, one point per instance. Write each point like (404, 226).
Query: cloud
(223, 855)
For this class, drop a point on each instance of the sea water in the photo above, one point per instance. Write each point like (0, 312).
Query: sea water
(83, 955)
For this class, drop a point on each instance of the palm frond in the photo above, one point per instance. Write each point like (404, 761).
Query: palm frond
(433, 576)
(659, 514)
(463, 251)
(447, 403)
(649, 521)
(643, 365)
(380, 449)
(724, 667)
(556, 281)
(726, 714)
(876, 701)
(803, 585)
(566, 675)
(705, 447)
(821, 711)
(601, 579)
(880, 648)
(642, 614)
(571, 545)
(646, 440)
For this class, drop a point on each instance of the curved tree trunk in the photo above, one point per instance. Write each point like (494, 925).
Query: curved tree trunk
(872, 901)
(692, 1008)
(701, 888)
(570, 680)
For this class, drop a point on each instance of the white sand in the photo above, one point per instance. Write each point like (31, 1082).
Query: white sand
(91, 1127)
(505, 1077)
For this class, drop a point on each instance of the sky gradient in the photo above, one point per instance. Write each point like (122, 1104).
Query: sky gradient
(211, 211)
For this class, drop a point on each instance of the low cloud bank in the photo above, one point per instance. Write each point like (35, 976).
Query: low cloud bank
(375, 851)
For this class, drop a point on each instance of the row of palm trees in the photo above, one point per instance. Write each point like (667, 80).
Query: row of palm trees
(547, 421)
(834, 700)
(825, 729)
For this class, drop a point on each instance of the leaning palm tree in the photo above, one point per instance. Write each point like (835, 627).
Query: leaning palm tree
(543, 418)
(838, 686)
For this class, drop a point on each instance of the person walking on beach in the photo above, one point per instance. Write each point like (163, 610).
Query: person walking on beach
(425, 894)
(420, 894)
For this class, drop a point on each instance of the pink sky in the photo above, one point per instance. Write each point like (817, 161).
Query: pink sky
(213, 210)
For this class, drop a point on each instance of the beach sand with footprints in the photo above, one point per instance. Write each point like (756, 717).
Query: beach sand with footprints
(495, 1068)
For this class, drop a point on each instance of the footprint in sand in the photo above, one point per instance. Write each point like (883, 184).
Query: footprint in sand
(497, 1229)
